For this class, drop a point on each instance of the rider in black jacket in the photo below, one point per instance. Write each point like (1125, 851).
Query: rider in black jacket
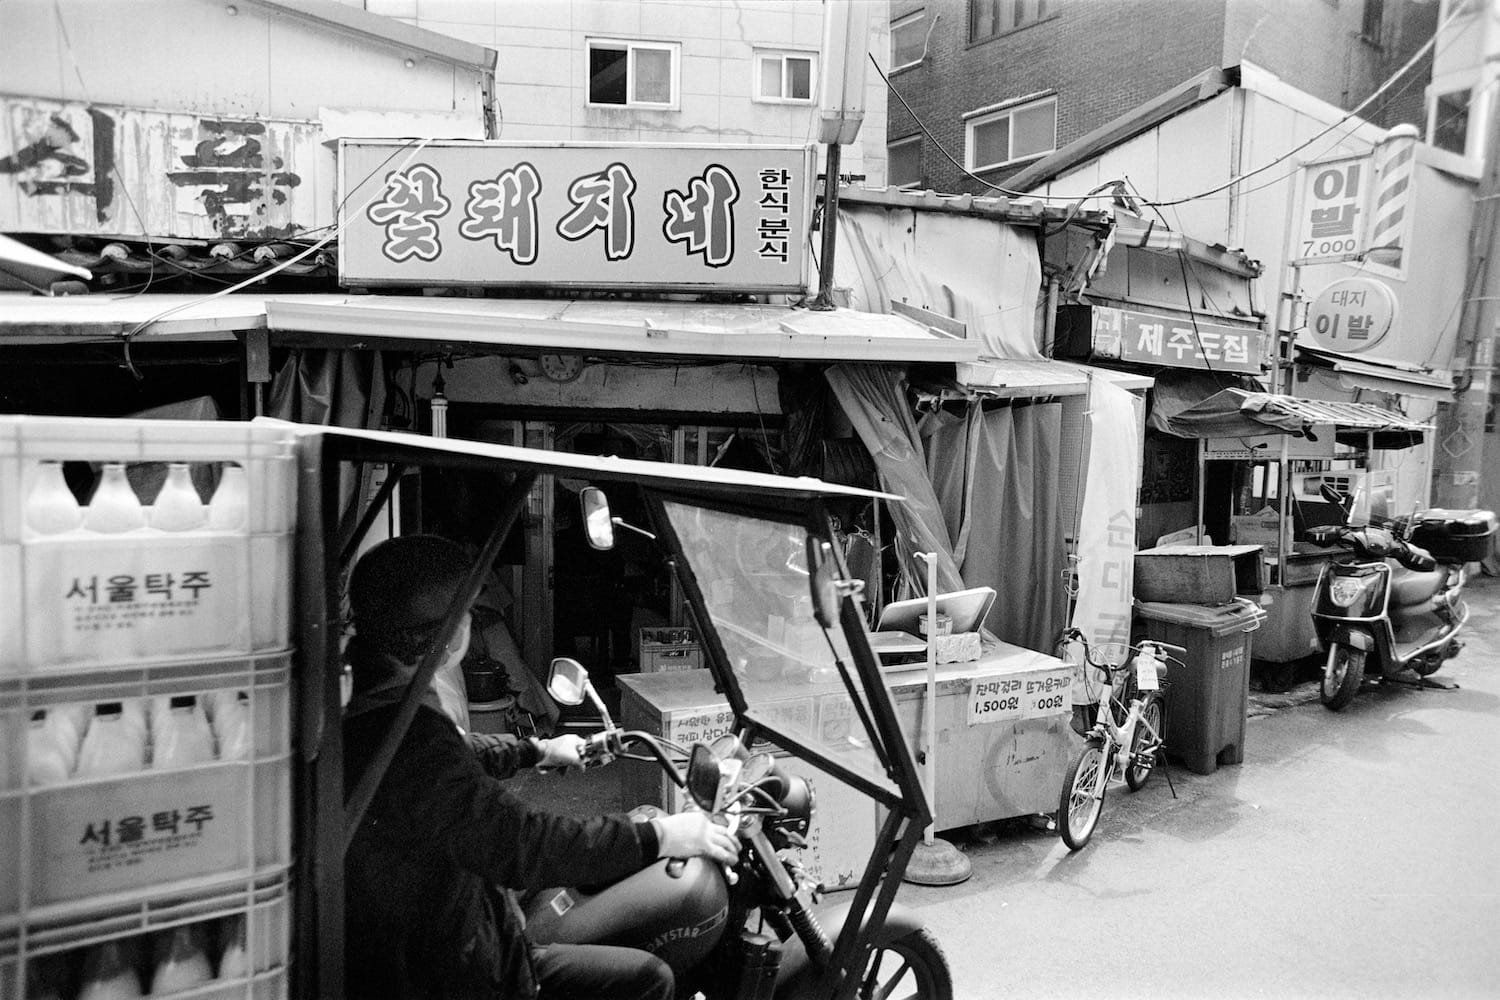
(428, 912)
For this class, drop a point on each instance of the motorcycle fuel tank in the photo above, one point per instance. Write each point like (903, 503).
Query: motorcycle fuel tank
(677, 918)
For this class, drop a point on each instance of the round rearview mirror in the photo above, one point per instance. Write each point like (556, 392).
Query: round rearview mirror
(703, 777)
(567, 682)
(596, 520)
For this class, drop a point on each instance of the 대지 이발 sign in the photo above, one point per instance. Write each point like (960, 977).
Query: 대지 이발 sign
(1020, 696)
(1151, 338)
(1330, 224)
(1352, 314)
(595, 215)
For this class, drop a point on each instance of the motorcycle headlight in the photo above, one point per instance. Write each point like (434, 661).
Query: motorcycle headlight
(797, 800)
(1345, 590)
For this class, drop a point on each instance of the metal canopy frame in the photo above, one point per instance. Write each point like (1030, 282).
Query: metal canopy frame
(327, 541)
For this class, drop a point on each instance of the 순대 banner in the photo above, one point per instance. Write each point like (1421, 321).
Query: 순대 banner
(1106, 530)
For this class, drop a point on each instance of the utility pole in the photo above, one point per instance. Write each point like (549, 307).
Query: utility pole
(1458, 460)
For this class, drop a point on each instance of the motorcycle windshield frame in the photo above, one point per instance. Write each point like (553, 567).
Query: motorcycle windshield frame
(842, 719)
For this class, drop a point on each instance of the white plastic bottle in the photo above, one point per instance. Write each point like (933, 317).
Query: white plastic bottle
(180, 736)
(107, 975)
(115, 742)
(178, 506)
(230, 716)
(229, 509)
(181, 963)
(51, 507)
(234, 963)
(114, 507)
(51, 748)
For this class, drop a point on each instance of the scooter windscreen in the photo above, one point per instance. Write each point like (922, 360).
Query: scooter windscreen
(755, 580)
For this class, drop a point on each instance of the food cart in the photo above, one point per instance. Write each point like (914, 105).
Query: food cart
(1261, 461)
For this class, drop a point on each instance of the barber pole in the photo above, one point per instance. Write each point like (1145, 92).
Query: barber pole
(1395, 158)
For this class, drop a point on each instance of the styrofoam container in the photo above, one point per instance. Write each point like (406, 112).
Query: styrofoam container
(85, 599)
(67, 846)
(264, 902)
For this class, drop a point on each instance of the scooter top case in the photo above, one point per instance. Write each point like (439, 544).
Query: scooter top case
(1455, 536)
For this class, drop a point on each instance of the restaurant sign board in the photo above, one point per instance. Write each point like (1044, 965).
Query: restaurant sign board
(1174, 341)
(593, 215)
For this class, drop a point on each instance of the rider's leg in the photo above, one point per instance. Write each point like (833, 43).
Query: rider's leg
(591, 971)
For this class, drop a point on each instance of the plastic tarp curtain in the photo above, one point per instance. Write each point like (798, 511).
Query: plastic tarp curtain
(874, 399)
(996, 475)
(336, 388)
(984, 273)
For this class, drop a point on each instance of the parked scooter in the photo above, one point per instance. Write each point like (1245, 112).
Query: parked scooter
(749, 931)
(1394, 603)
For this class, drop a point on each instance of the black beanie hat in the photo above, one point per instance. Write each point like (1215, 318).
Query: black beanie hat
(406, 583)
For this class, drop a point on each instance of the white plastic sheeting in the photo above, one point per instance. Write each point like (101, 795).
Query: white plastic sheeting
(1106, 529)
(979, 271)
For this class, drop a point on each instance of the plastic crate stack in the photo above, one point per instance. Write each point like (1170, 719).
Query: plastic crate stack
(145, 757)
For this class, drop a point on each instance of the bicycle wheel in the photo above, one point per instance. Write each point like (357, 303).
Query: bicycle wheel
(1077, 810)
(1145, 745)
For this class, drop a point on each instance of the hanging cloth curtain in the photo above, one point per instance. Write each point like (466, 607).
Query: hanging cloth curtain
(996, 475)
(874, 399)
(336, 388)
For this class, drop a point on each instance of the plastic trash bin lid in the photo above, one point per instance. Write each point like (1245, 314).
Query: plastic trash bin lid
(1215, 618)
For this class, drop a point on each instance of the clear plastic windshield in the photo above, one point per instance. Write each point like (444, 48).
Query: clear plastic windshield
(754, 577)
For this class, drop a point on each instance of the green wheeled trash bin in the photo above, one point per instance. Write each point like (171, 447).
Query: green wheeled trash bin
(1206, 698)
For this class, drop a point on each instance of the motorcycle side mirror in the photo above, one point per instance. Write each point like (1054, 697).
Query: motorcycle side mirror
(823, 581)
(703, 777)
(568, 684)
(1330, 493)
(567, 681)
(596, 520)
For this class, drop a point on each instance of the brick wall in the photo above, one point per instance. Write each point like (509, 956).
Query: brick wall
(1100, 58)
(1103, 58)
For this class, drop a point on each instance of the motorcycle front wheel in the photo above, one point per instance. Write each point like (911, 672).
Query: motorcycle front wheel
(1342, 674)
(1145, 743)
(1077, 809)
(912, 966)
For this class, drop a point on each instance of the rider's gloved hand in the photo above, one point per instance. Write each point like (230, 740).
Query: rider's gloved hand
(560, 751)
(694, 835)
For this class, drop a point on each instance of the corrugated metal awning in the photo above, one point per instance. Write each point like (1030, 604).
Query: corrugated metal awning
(1382, 376)
(1238, 413)
(668, 329)
(1022, 377)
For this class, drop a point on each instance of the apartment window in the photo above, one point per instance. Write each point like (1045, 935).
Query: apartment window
(785, 77)
(908, 40)
(988, 18)
(1450, 122)
(904, 162)
(632, 74)
(996, 138)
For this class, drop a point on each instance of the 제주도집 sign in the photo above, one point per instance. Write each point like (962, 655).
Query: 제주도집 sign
(585, 214)
(1179, 342)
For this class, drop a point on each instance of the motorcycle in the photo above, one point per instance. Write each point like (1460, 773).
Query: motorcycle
(1396, 597)
(747, 931)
